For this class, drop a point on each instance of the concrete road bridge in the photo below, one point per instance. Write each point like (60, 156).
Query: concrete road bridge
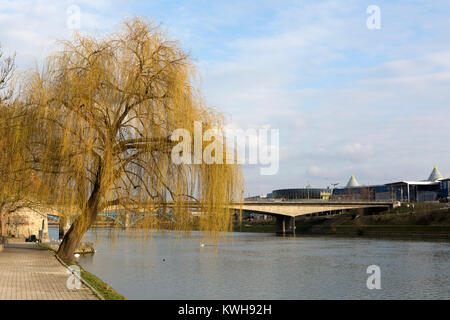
(285, 212)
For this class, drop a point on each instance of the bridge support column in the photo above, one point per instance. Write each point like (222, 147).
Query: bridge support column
(64, 225)
(127, 221)
(43, 233)
(285, 225)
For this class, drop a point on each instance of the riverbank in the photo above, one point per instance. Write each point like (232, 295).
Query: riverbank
(105, 290)
(426, 221)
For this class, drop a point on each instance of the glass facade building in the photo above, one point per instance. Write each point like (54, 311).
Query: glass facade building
(444, 189)
(302, 194)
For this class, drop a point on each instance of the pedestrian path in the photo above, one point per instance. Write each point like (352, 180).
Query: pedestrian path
(29, 272)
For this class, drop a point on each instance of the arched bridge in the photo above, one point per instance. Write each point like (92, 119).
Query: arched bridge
(128, 219)
(124, 219)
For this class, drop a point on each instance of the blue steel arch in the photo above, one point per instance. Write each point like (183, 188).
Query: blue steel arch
(116, 215)
(133, 216)
(53, 217)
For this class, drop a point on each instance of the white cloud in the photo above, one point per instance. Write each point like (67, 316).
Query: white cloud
(31, 28)
(345, 99)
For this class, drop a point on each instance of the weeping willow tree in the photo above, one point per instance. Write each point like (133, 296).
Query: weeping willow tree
(6, 161)
(103, 110)
(18, 185)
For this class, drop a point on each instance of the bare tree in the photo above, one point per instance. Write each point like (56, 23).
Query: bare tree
(7, 67)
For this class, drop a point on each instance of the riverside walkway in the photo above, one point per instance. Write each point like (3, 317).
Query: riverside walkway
(29, 272)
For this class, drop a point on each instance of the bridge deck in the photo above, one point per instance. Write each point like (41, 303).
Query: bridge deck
(298, 208)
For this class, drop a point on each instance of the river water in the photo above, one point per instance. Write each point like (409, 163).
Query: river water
(265, 266)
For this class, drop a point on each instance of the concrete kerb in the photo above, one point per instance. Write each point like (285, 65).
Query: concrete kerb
(80, 278)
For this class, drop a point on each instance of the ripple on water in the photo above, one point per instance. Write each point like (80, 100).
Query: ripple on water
(262, 266)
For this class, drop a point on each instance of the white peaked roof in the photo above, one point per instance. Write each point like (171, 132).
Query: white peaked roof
(415, 183)
(352, 182)
(435, 175)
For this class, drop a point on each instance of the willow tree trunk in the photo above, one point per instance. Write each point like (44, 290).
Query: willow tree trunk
(71, 240)
(80, 226)
(76, 232)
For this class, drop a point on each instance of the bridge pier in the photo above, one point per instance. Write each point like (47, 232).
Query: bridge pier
(285, 225)
(64, 225)
(127, 221)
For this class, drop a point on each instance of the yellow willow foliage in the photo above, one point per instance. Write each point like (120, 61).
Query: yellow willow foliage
(102, 111)
(19, 186)
(16, 179)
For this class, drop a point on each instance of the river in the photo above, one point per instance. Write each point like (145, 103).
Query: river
(265, 266)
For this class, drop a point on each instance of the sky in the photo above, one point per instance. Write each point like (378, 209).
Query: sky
(346, 99)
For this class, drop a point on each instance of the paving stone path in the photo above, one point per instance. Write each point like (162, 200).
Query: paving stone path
(29, 272)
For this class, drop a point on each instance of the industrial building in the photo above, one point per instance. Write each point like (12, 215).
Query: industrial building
(433, 189)
(444, 188)
(403, 191)
(308, 193)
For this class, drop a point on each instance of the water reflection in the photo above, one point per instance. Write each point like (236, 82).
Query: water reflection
(262, 266)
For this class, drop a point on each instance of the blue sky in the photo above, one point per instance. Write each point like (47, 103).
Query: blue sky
(346, 99)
